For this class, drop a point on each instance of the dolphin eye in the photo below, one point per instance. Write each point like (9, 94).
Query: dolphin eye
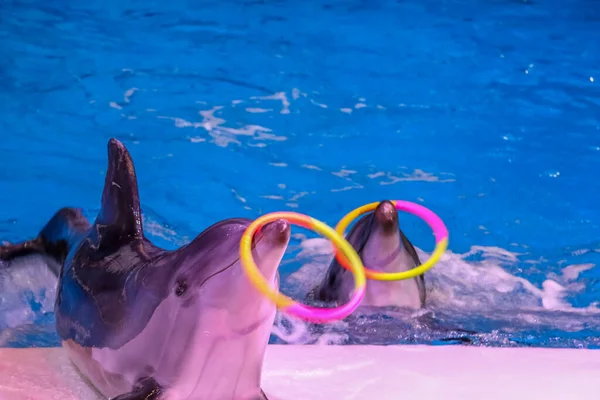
(181, 287)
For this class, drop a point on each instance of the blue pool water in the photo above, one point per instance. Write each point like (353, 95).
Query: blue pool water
(487, 112)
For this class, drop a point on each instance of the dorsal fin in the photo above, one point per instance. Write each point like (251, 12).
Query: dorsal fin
(120, 219)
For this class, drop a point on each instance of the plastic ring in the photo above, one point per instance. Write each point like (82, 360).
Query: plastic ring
(349, 259)
(436, 224)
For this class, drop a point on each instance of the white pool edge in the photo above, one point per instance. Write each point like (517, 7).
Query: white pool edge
(314, 372)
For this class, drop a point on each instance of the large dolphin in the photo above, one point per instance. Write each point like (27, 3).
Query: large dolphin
(140, 322)
(382, 246)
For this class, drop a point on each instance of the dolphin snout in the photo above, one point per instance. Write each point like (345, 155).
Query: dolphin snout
(270, 247)
(278, 231)
(386, 216)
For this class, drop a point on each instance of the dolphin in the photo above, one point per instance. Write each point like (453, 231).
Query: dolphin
(140, 322)
(382, 246)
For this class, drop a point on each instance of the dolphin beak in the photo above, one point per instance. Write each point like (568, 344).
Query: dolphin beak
(386, 216)
(275, 233)
(270, 245)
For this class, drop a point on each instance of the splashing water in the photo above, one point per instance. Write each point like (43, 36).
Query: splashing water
(29, 282)
(28, 289)
(472, 298)
(27, 294)
(467, 302)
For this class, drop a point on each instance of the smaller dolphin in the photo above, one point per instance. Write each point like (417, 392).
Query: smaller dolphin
(382, 246)
(143, 323)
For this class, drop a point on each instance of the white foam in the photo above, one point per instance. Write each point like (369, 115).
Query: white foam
(280, 96)
(571, 272)
(456, 287)
(27, 279)
(460, 288)
(473, 285)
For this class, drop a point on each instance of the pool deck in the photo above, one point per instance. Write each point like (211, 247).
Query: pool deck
(315, 372)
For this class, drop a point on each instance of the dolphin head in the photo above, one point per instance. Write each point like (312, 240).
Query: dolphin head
(207, 335)
(209, 272)
(382, 246)
(228, 321)
(376, 237)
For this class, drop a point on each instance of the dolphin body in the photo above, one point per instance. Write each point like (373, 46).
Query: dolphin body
(140, 322)
(382, 246)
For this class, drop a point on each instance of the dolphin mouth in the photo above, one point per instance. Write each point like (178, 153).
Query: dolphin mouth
(239, 332)
(283, 231)
(254, 243)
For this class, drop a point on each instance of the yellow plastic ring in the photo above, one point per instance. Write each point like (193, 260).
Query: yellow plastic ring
(348, 257)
